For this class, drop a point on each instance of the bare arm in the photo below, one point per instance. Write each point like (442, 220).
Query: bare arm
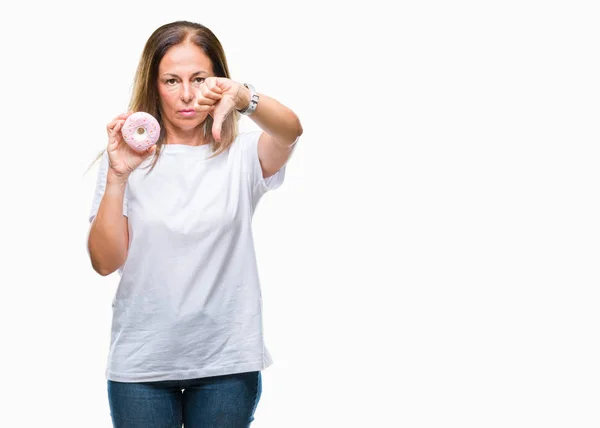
(109, 235)
(281, 129)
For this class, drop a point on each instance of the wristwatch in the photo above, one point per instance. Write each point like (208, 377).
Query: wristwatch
(253, 101)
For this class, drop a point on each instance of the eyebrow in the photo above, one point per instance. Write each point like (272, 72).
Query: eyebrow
(195, 74)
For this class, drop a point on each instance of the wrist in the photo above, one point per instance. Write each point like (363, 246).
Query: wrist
(250, 100)
(243, 98)
(116, 179)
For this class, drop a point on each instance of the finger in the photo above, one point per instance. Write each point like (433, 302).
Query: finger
(110, 127)
(204, 108)
(211, 83)
(208, 100)
(113, 133)
(209, 93)
(122, 117)
(117, 126)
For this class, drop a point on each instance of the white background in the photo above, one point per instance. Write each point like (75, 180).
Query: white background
(432, 257)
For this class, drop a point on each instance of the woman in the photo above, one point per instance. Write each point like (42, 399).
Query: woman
(187, 340)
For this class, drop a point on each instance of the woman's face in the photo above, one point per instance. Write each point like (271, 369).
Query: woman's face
(180, 73)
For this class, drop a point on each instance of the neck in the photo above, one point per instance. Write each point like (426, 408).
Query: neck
(189, 137)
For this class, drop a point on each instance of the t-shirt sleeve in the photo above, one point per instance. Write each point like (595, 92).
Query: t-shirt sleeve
(259, 185)
(101, 186)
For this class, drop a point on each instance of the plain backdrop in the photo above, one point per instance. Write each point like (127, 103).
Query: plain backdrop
(431, 259)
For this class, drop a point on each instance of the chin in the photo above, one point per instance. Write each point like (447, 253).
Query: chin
(189, 123)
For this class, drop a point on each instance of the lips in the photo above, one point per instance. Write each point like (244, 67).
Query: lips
(187, 113)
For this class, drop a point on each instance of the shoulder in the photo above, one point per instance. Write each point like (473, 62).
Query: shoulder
(245, 143)
(245, 139)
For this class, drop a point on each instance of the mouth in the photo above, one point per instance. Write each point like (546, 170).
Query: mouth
(187, 112)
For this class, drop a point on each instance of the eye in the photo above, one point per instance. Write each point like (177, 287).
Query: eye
(171, 81)
(199, 79)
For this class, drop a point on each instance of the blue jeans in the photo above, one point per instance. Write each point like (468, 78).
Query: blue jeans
(227, 401)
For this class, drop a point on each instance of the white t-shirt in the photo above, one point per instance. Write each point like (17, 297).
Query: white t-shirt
(189, 303)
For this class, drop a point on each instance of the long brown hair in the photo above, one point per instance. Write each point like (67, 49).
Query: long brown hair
(145, 95)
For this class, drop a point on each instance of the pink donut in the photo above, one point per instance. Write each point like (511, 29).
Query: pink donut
(140, 131)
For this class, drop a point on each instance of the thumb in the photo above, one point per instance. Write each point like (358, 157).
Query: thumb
(216, 128)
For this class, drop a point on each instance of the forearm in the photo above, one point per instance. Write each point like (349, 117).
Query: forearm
(108, 239)
(273, 117)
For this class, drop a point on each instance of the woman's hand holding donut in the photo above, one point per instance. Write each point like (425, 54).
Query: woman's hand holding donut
(219, 96)
(122, 158)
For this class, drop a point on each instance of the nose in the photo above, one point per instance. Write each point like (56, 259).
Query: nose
(187, 95)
